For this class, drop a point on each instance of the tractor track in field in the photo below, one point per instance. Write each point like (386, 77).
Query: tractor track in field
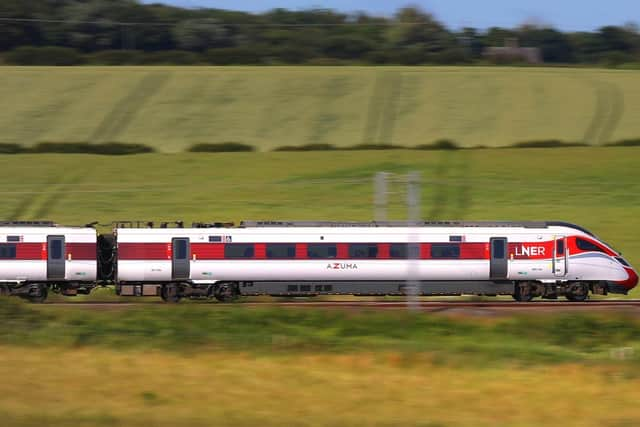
(608, 111)
(124, 111)
(57, 194)
(381, 111)
(451, 187)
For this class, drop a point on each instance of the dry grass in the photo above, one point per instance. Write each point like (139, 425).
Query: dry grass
(86, 387)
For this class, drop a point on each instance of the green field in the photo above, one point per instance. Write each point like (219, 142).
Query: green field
(596, 187)
(171, 108)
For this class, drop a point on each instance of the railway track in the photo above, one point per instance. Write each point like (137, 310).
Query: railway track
(428, 306)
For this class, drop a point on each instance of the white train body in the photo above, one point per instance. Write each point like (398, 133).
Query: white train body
(303, 258)
(47, 254)
(287, 258)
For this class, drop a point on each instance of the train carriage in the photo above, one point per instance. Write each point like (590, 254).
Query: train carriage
(37, 256)
(523, 259)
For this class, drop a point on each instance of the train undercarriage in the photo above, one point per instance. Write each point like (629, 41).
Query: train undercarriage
(173, 292)
(38, 292)
(228, 291)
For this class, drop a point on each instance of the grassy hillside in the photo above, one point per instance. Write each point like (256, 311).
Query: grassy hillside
(591, 186)
(172, 108)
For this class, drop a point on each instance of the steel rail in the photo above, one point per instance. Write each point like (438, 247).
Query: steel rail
(508, 305)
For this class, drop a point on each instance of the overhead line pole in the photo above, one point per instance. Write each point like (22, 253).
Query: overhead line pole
(380, 184)
(413, 248)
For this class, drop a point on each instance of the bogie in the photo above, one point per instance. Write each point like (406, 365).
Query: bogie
(226, 292)
(171, 293)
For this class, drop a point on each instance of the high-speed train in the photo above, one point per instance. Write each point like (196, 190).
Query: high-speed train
(524, 259)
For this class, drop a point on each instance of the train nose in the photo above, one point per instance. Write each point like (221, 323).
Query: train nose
(632, 280)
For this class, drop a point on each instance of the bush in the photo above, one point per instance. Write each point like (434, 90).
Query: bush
(547, 143)
(234, 55)
(115, 57)
(118, 149)
(441, 144)
(625, 143)
(307, 147)
(223, 147)
(171, 57)
(329, 62)
(374, 147)
(113, 148)
(51, 55)
(11, 149)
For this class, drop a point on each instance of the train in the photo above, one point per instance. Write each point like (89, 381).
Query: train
(223, 261)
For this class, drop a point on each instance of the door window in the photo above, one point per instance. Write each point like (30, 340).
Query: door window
(498, 249)
(180, 249)
(56, 249)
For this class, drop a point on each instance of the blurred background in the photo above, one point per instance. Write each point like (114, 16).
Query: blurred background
(223, 111)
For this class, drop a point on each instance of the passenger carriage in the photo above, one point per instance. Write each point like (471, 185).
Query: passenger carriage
(523, 259)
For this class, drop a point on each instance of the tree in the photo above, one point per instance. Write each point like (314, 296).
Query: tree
(14, 34)
(201, 34)
(417, 37)
(554, 45)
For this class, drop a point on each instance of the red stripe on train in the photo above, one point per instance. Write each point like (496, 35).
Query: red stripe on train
(38, 251)
(81, 251)
(215, 251)
(144, 251)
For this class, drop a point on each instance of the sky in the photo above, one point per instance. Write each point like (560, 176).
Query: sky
(566, 15)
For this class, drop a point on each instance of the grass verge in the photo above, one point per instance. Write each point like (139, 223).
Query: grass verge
(187, 328)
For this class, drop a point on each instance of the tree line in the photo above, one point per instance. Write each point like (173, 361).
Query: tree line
(67, 32)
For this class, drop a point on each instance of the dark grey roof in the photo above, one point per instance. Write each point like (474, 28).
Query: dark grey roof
(523, 224)
(27, 224)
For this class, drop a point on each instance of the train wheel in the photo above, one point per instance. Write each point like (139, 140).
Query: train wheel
(226, 292)
(170, 293)
(578, 292)
(40, 296)
(522, 292)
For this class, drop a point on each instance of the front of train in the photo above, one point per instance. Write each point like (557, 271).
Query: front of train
(625, 285)
(622, 277)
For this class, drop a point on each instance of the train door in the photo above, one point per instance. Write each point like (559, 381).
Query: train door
(560, 259)
(499, 266)
(55, 257)
(180, 262)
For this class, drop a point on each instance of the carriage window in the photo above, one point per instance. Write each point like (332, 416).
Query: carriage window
(402, 251)
(7, 251)
(238, 250)
(587, 246)
(215, 239)
(322, 251)
(445, 251)
(13, 238)
(363, 250)
(56, 249)
(559, 247)
(281, 250)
